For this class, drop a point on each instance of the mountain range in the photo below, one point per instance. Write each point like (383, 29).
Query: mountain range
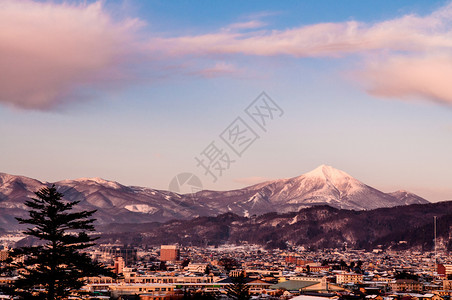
(117, 203)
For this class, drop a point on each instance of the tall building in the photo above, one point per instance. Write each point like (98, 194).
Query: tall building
(110, 252)
(119, 265)
(440, 269)
(4, 254)
(169, 253)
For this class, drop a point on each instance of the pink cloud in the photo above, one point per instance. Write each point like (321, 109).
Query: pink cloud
(54, 53)
(48, 51)
(219, 69)
(406, 57)
(426, 77)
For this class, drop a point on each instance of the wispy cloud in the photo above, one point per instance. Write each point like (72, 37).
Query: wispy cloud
(408, 33)
(219, 69)
(253, 24)
(406, 57)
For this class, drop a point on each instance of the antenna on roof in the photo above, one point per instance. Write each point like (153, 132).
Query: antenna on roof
(434, 228)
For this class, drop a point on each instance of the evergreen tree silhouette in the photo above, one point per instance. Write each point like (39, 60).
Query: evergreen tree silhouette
(238, 289)
(55, 268)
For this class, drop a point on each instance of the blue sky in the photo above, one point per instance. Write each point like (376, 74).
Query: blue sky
(133, 91)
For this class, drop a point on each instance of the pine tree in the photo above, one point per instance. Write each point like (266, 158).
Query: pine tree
(238, 289)
(55, 268)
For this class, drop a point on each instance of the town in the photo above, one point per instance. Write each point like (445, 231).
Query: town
(177, 272)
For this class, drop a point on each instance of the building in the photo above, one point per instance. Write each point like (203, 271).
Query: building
(108, 254)
(447, 285)
(150, 290)
(315, 268)
(169, 253)
(196, 268)
(348, 278)
(237, 273)
(406, 285)
(448, 269)
(119, 265)
(4, 254)
(257, 273)
(133, 278)
(307, 284)
(440, 269)
(297, 260)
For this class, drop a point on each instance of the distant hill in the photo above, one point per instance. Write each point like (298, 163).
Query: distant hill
(117, 203)
(314, 227)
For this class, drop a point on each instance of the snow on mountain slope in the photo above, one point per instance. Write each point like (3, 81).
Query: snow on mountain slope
(115, 202)
(323, 185)
(141, 208)
(14, 189)
(407, 198)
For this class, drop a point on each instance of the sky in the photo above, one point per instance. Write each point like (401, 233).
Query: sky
(233, 92)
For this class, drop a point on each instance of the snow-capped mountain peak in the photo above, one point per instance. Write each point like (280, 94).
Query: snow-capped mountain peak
(329, 173)
(93, 181)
